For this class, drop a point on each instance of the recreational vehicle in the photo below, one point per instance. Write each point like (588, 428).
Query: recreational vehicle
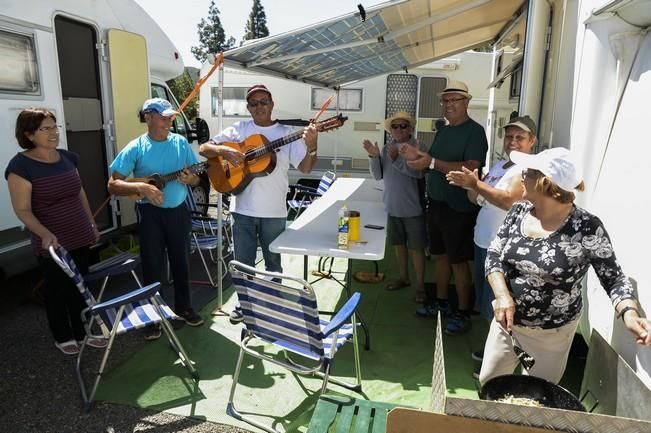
(92, 63)
(581, 69)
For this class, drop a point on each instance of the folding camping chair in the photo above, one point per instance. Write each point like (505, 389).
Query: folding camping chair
(118, 264)
(303, 195)
(205, 237)
(286, 316)
(134, 310)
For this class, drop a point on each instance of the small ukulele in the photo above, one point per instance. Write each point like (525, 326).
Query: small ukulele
(160, 180)
(259, 158)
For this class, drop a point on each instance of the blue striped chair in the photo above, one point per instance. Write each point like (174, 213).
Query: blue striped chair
(281, 311)
(136, 309)
(118, 264)
(303, 196)
(204, 237)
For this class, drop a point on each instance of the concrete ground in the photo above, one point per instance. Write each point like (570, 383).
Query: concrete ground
(38, 387)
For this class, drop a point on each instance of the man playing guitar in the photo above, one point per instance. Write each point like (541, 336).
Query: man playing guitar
(260, 210)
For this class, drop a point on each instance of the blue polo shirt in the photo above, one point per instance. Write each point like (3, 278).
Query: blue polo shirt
(144, 156)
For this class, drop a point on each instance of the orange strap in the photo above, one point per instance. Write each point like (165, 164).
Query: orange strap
(324, 107)
(218, 61)
(102, 206)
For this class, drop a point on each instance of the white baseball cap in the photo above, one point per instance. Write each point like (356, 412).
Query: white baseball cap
(160, 106)
(558, 164)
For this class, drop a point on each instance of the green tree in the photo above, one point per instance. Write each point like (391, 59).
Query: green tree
(256, 26)
(212, 38)
(181, 87)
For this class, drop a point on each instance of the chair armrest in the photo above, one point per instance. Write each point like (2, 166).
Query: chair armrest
(119, 268)
(133, 296)
(215, 205)
(343, 315)
(204, 218)
(304, 189)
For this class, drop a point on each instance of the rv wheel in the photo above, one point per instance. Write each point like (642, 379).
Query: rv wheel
(201, 193)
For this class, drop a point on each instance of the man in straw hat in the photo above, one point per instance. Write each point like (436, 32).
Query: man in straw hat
(403, 197)
(451, 215)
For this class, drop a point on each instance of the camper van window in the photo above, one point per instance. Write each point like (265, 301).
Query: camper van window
(516, 84)
(349, 99)
(234, 101)
(19, 70)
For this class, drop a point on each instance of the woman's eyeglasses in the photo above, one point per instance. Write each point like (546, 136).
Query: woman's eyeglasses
(48, 129)
(401, 126)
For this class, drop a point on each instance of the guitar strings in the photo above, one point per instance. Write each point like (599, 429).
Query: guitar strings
(259, 151)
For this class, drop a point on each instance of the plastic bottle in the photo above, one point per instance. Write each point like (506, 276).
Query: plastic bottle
(343, 227)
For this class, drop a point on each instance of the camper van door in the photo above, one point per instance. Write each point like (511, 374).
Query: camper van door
(129, 87)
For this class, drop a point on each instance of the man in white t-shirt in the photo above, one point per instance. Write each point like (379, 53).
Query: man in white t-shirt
(260, 210)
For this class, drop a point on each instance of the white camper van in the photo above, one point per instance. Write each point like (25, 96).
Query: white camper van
(92, 63)
(366, 103)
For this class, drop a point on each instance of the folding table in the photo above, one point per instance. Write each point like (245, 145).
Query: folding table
(314, 232)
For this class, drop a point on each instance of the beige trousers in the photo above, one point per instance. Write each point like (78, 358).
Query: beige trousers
(549, 347)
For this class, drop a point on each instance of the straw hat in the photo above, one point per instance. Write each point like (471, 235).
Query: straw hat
(403, 115)
(458, 87)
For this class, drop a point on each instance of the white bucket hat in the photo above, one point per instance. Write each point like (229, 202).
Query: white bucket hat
(558, 164)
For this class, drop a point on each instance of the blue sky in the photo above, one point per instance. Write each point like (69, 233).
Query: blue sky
(179, 19)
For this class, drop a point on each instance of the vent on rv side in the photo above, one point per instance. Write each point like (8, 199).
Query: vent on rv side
(359, 164)
(365, 126)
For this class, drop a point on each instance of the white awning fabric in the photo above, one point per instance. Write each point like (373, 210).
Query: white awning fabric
(396, 35)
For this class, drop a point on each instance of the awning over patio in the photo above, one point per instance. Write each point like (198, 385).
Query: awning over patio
(392, 36)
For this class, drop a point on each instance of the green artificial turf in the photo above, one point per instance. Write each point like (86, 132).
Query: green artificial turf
(397, 369)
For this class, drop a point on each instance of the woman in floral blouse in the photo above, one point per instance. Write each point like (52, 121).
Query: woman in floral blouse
(535, 266)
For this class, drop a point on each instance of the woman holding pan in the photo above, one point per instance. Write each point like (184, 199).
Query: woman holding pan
(535, 266)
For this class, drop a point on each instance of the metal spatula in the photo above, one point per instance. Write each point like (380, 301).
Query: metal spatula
(525, 359)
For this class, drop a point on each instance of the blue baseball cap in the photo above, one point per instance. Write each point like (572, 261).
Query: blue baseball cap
(160, 106)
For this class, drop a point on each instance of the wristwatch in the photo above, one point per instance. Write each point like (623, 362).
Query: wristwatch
(432, 164)
(311, 152)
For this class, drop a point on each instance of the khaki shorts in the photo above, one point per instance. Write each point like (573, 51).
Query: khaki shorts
(408, 231)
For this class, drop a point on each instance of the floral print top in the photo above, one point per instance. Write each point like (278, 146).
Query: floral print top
(544, 274)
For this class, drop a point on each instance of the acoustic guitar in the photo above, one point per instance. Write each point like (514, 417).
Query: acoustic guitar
(259, 159)
(160, 180)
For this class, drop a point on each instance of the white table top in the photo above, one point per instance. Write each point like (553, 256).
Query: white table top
(314, 233)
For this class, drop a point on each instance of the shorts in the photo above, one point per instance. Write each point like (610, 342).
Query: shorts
(408, 231)
(451, 232)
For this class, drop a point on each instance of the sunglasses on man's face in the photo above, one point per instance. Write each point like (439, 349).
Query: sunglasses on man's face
(263, 102)
(401, 126)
